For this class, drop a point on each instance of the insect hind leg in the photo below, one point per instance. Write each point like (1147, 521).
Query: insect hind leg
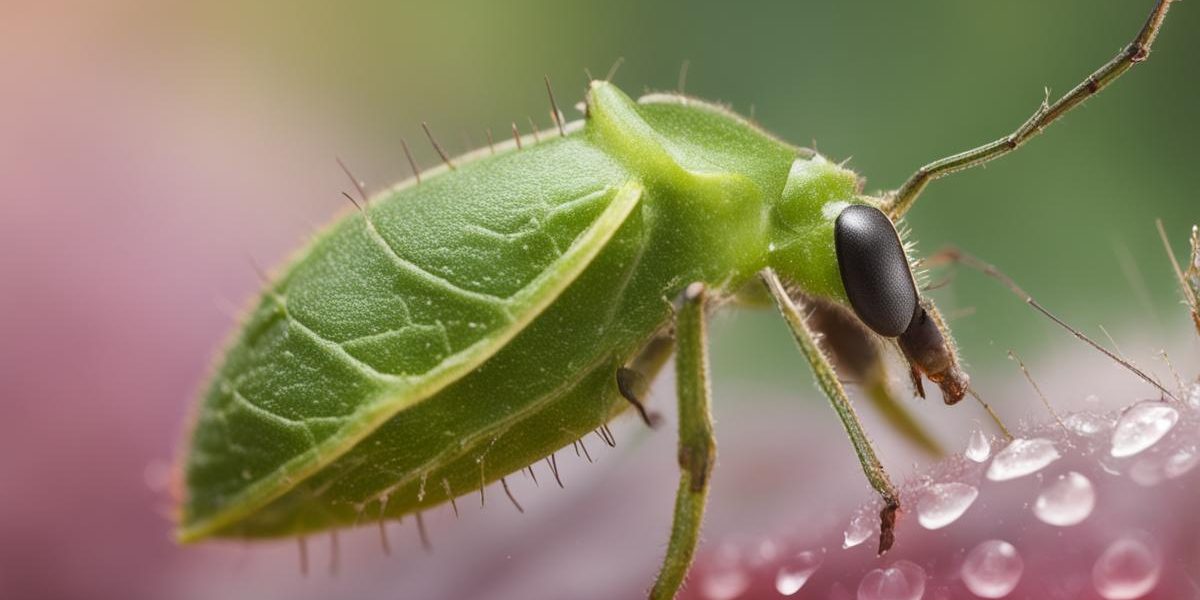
(697, 446)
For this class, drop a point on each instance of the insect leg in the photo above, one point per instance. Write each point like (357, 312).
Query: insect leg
(632, 382)
(856, 354)
(1138, 50)
(697, 448)
(828, 381)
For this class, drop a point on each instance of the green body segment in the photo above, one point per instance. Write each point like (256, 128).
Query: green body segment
(461, 329)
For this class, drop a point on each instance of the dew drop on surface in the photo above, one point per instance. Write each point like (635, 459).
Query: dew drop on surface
(1087, 424)
(1147, 472)
(1067, 501)
(978, 447)
(726, 583)
(1128, 569)
(992, 569)
(1193, 396)
(1180, 462)
(861, 527)
(1141, 427)
(795, 571)
(1022, 457)
(941, 504)
(903, 580)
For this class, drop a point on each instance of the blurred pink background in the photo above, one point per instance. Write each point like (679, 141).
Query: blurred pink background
(145, 163)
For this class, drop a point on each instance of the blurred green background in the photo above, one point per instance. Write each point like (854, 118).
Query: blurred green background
(151, 151)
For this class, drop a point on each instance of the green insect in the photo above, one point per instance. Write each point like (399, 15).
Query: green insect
(475, 319)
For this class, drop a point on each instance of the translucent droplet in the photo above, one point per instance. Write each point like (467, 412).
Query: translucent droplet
(765, 552)
(1022, 457)
(725, 583)
(1067, 501)
(1181, 461)
(861, 527)
(992, 569)
(795, 571)
(1147, 472)
(1141, 427)
(901, 581)
(941, 504)
(978, 447)
(1087, 424)
(1128, 569)
(1193, 396)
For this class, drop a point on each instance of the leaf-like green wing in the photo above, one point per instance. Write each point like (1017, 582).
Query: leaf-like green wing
(386, 309)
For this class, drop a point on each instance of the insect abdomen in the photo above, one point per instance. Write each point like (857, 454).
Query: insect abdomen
(381, 373)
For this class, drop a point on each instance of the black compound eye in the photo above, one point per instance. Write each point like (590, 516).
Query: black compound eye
(874, 270)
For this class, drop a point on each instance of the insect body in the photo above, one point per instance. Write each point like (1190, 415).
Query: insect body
(470, 322)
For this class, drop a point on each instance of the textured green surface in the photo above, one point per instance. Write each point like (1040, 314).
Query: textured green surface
(467, 326)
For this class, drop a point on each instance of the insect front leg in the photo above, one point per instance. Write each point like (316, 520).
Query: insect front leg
(697, 447)
(857, 353)
(828, 381)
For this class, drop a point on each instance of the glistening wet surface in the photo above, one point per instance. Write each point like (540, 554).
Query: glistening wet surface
(1100, 507)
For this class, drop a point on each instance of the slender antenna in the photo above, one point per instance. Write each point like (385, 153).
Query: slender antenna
(1138, 50)
(991, 413)
(437, 146)
(516, 135)
(358, 185)
(956, 255)
(1187, 290)
(683, 70)
(1174, 373)
(1013, 356)
(411, 163)
(508, 492)
(554, 112)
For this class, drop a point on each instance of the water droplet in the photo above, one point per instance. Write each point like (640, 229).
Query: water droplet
(1067, 501)
(901, 581)
(795, 571)
(941, 504)
(978, 447)
(1087, 424)
(1181, 461)
(992, 569)
(1128, 569)
(1022, 457)
(861, 527)
(1141, 427)
(1147, 472)
(765, 552)
(1193, 396)
(725, 583)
